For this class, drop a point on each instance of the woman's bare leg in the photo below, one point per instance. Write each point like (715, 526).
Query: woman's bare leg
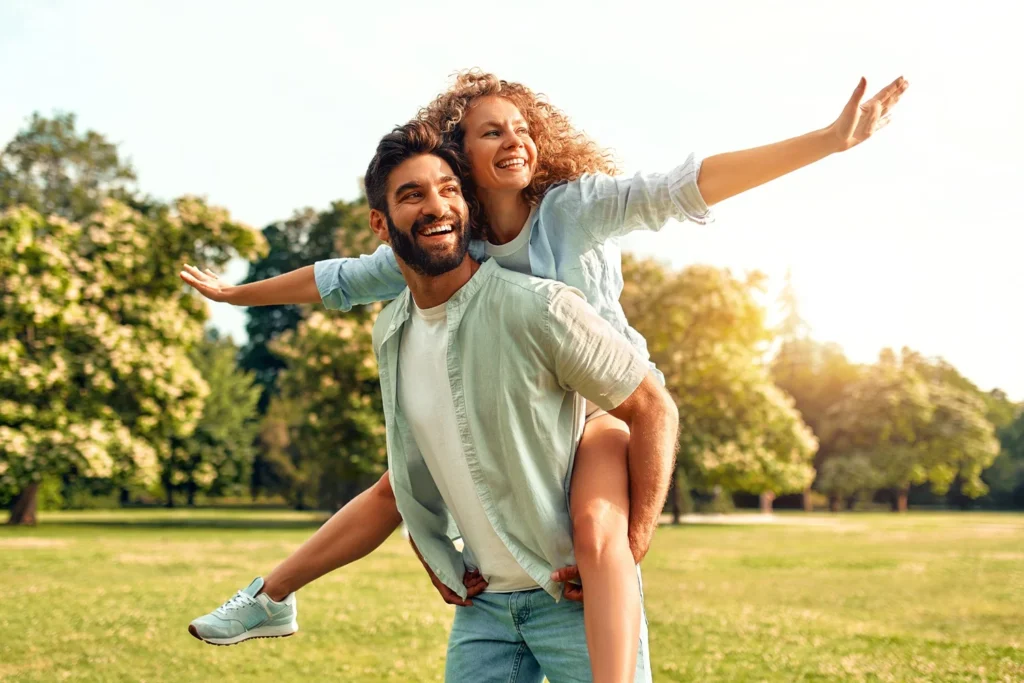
(599, 503)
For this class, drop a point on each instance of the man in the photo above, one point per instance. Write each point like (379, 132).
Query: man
(482, 372)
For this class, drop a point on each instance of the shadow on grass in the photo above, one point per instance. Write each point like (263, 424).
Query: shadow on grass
(130, 521)
(717, 526)
(192, 518)
(193, 523)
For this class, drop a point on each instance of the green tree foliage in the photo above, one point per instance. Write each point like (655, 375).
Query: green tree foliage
(95, 327)
(916, 427)
(217, 457)
(707, 334)
(816, 375)
(842, 478)
(813, 373)
(995, 406)
(1005, 478)
(279, 460)
(307, 237)
(49, 167)
(325, 431)
(999, 409)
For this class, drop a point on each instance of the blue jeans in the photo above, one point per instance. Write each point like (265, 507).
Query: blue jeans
(522, 637)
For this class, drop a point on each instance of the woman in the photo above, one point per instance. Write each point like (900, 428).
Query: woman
(548, 203)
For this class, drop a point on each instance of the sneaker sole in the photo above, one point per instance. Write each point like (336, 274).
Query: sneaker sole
(262, 632)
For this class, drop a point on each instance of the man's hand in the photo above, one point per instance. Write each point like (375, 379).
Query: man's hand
(472, 580)
(860, 120)
(571, 591)
(207, 283)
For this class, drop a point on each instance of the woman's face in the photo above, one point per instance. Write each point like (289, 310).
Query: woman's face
(502, 155)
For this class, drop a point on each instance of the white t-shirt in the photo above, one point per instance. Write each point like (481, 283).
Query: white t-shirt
(425, 397)
(514, 255)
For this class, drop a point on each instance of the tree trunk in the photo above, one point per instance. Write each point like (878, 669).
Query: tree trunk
(899, 502)
(170, 497)
(124, 498)
(808, 501)
(673, 492)
(191, 494)
(256, 479)
(834, 502)
(767, 498)
(851, 503)
(23, 507)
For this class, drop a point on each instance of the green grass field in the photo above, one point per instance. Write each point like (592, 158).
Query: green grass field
(861, 597)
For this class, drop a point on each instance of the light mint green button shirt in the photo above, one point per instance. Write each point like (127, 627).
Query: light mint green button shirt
(519, 350)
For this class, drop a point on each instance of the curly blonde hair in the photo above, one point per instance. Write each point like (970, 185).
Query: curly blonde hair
(563, 153)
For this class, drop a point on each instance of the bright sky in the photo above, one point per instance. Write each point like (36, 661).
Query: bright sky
(911, 239)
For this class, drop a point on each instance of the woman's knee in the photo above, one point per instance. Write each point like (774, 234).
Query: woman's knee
(600, 529)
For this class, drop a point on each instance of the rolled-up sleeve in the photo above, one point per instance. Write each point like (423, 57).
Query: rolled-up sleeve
(590, 357)
(614, 206)
(347, 282)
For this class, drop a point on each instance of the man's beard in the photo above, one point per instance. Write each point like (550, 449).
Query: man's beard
(425, 261)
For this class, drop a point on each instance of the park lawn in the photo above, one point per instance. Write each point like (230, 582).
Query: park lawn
(107, 596)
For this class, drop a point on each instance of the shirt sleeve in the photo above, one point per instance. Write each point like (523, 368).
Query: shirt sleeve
(347, 282)
(590, 357)
(614, 206)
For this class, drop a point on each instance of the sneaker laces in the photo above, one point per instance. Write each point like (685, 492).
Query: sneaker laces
(240, 600)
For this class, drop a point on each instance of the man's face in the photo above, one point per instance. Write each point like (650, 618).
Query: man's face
(427, 215)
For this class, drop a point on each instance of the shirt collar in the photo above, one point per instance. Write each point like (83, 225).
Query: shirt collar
(403, 303)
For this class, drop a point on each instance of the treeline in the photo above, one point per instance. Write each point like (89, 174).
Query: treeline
(109, 386)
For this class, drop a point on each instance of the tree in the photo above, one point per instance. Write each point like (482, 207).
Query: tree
(962, 442)
(707, 334)
(843, 478)
(1005, 478)
(218, 455)
(278, 456)
(793, 326)
(916, 428)
(49, 167)
(95, 327)
(815, 375)
(330, 406)
(999, 409)
(307, 237)
(994, 407)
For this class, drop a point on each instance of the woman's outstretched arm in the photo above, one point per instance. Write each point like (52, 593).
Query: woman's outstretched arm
(339, 283)
(295, 287)
(727, 175)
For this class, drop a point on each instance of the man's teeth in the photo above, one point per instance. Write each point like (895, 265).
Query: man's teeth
(512, 163)
(438, 230)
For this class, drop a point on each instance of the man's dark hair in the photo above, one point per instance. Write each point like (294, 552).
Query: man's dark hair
(405, 142)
